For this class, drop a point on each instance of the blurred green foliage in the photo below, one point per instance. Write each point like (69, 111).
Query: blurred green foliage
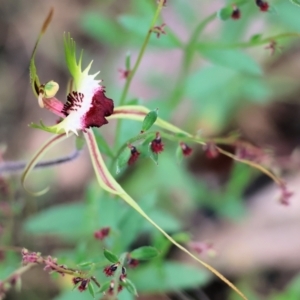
(217, 75)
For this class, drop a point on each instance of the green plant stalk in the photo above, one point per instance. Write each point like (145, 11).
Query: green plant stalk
(136, 65)
(251, 43)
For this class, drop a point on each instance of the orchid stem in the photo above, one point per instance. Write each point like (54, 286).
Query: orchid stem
(136, 65)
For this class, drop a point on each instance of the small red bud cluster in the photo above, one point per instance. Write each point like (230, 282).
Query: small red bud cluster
(102, 233)
(30, 257)
(51, 265)
(186, 150)
(263, 5)
(156, 145)
(110, 270)
(83, 283)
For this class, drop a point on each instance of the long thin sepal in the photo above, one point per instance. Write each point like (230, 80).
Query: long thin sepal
(37, 156)
(34, 79)
(108, 183)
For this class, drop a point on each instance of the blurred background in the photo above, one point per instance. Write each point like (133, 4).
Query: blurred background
(231, 81)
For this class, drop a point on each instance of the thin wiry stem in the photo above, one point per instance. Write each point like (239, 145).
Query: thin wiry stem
(11, 167)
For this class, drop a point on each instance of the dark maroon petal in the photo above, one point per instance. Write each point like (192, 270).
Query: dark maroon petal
(101, 107)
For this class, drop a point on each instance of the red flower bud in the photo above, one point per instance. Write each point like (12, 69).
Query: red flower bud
(102, 233)
(263, 5)
(236, 13)
(110, 270)
(134, 155)
(186, 150)
(156, 145)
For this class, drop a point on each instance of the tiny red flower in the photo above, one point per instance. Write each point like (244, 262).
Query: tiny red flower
(132, 263)
(76, 280)
(263, 5)
(211, 150)
(236, 13)
(102, 233)
(124, 73)
(110, 270)
(134, 155)
(186, 150)
(156, 145)
(83, 286)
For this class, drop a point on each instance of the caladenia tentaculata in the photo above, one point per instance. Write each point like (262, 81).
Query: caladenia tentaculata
(86, 107)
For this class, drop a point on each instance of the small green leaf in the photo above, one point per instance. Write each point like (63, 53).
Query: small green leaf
(225, 13)
(144, 253)
(85, 264)
(149, 120)
(123, 160)
(104, 287)
(110, 256)
(296, 2)
(255, 38)
(130, 287)
(91, 289)
(153, 156)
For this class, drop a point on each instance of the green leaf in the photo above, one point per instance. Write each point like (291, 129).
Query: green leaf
(122, 160)
(168, 276)
(104, 287)
(66, 216)
(91, 289)
(153, 156)
(256, 37)
(296, 2)
(225, 13)
(130, 287)
(144, 253)
(232, 59)
(149, 120)
(103, 29)
(110, 256)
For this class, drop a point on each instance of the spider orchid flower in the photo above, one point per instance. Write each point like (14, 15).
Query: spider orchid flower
(86, 107)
